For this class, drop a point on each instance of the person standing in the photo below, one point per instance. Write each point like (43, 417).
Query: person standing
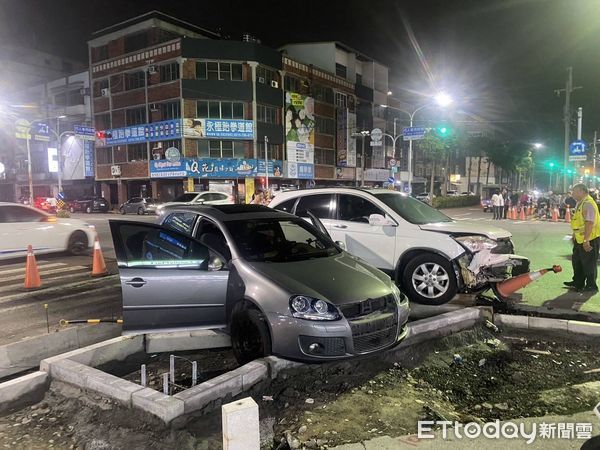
(506, 200)
(498, 204)
(585, 224)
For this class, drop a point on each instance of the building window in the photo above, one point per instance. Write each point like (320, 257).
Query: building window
(359, 79)
(102, 121)
(220, 149)
(324, 125)
(75, 97)
(101, 52)
(137, 152)
(60, 99)
(213, 70)
(274, 151)
(136, 41)
(340, 70)
(99, 85)
(267, 114)
(104, 155)
(323, 94)
(219, 110)
(341, 100)
(265, 76)
(135, 116)
(170, 110)
(135, 80)
(291, 84)
(324, 156)
(169, 72)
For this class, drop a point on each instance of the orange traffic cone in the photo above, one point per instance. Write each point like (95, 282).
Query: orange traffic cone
(98, 265)
(514, 213)
(504, 289)
(568, 215)
(530, 212)
(32, 274)
(523, 214)
(554, 214)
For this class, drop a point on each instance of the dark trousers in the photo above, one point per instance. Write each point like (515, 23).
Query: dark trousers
(498, 212)
(505, 208)
(585, 264)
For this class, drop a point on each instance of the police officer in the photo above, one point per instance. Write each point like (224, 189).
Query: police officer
(586, 241)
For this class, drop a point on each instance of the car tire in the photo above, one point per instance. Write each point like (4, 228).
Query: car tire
(78, 243)
(140, 211)
(250, 337)
(122, 211)
(429, 279)
(88, 209)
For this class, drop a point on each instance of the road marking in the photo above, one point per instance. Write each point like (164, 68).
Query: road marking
(22, 268)
(42, 274)
(463, 214)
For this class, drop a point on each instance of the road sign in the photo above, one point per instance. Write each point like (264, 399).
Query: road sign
(376, 134)
(392, 162)
(376, 143)
(85, 132)
(391, 180)
(413, 133)
(577, 151)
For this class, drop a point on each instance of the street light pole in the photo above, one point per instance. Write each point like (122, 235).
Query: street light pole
(266, 164)
(29, 172)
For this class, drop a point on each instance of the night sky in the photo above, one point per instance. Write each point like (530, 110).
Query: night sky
(501, 59)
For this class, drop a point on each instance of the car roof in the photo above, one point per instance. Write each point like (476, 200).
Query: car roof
(330, 190)
(226, 213)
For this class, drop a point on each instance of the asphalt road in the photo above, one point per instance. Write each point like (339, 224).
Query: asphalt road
(74, 295)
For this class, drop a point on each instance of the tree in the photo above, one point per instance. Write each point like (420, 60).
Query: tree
(435, 150)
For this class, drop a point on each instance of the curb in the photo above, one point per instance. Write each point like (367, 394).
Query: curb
(543, 323)
(23, 391)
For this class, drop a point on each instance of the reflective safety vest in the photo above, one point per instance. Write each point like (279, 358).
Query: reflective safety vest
(578, 221)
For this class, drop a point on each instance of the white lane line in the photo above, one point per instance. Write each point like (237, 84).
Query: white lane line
(463, 214)
(22, 268)
(43, 273)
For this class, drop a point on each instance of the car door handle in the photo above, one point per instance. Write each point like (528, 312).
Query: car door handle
(341, 227)
(136, 282)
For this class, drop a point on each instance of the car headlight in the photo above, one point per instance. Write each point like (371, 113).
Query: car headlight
(476, 243)
(309, 308)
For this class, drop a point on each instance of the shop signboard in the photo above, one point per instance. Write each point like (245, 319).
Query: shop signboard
(151, 132)
(300, 128)
(163, 168)
(218, 128)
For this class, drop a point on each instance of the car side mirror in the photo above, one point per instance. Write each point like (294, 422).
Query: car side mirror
(341, 245)
(377, 220)
(215, 264)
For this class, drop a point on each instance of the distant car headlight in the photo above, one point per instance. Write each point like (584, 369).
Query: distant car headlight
(476, 243)
(309, 308)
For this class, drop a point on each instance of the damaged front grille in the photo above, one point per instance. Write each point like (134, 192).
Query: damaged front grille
(368, 306)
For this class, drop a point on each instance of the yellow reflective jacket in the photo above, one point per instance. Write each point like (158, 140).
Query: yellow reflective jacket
(578, 221)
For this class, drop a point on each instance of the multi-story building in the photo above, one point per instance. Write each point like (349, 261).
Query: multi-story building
(177, 109)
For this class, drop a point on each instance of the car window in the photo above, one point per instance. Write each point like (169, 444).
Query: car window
(286, 206)
(412, 210)
(275, 240)
(353, 208)
(135, 200)
(14, 214)
(149, 246)
(186, 197)
(181, 221)
(319, 204)
(209, 234)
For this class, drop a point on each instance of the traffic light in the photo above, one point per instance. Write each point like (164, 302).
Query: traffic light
(551, 164)
(443, 131)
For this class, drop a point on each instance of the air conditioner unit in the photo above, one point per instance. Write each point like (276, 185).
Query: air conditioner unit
(261, 80)
(84, 91)
(105, 92)
(152, 70)
(274, 84)
(153, 107)
(115, 171)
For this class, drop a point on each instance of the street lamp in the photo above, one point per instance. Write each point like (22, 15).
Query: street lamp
(362, 134)
(441, 99)
(535, 146)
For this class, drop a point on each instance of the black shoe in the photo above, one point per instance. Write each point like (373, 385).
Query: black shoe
(589, 290)
(569, 283)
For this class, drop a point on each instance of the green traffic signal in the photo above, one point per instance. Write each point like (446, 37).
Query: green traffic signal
(551, 164)
(443, 131)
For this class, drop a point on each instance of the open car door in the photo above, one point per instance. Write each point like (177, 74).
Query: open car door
(166, 279)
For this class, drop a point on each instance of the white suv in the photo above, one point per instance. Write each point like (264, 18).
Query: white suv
(422, 249)
(198, 198)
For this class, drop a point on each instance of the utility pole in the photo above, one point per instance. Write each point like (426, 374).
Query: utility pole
(567, 118)
(266, 163)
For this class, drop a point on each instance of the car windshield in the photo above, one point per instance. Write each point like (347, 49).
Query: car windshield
(186, 197)
(412, 210)
(275, 240)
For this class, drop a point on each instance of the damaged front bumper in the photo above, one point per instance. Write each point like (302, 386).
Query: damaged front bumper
(479, 270)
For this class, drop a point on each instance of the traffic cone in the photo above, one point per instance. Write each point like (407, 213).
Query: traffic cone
(523, 214)
(514, 213)
(568, 215)
(506, 288)
(554, 214)
(32, 274)
(98, 264)
(530, 212)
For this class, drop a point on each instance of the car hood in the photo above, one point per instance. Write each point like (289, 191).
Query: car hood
(467, 228)
(339, 279)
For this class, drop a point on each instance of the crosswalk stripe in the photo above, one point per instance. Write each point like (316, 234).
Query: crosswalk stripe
(22, 268)
(44, 273)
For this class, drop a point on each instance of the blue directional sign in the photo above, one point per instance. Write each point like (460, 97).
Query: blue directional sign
(413, 133)
(577, 151)
(391, 180)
